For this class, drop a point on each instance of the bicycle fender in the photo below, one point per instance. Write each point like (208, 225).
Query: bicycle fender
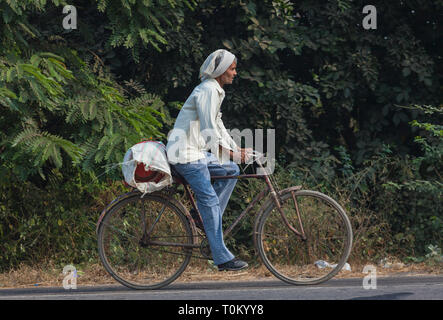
(130, 194)
(111, 204)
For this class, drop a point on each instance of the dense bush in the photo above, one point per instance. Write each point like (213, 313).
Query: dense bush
(73, 101)
(55, 222)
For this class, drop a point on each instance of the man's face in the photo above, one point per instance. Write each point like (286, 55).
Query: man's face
(230, 73)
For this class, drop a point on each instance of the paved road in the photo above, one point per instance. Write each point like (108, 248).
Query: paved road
(388, 288)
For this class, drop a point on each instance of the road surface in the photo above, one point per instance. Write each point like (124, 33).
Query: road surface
(387, 288)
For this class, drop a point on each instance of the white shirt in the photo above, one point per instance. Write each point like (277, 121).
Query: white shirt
(199, 127)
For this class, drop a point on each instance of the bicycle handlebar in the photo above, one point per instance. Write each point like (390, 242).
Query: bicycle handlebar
(256, 154)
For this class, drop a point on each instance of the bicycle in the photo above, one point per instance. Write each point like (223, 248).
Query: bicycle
(147, 241)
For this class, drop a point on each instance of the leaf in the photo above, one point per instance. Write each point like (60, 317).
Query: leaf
(428, 82)
(254, 20)
(406, 72)
(228, 44)
(5, 92)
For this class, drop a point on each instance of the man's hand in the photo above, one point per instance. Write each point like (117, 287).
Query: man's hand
(243, 155)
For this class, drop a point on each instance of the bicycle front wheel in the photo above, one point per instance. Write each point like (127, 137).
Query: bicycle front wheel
(316, 245)
(126, 238)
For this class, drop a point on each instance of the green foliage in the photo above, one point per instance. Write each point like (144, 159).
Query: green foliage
(56, 107)
(73, 101)
(137, 24)
(63, 119)
(36, 95)
(415, 196)
(55, 222)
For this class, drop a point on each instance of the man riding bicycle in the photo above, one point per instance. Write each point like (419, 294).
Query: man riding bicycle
(188, 149)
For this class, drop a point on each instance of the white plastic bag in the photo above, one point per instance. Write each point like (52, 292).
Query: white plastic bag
(324, 264)
(152, 154)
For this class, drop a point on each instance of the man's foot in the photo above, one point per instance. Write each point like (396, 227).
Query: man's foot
(233, 265)
(197, 220)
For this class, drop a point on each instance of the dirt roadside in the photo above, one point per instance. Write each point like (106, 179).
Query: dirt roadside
(45, 276)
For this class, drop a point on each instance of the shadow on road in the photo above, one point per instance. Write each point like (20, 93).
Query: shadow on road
(389, 296)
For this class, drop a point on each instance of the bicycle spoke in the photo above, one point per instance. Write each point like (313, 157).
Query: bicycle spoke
(118, 230)
(180, 254)
(271, 235)
(156, 220)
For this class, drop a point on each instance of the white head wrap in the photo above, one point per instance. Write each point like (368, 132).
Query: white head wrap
(216, 64)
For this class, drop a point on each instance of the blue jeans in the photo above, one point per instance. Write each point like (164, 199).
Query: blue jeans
(212, 199)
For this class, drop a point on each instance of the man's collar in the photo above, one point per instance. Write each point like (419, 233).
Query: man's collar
(217, 85)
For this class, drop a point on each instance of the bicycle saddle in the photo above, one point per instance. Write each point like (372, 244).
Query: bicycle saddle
(177, 176)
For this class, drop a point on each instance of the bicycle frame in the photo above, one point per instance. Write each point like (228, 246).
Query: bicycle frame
(256, 199)
(263, 194)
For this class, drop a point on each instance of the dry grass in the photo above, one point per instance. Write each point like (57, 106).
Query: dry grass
(198, 270)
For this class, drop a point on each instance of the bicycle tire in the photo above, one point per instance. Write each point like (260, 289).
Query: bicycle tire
(120, 247)
(328, 233)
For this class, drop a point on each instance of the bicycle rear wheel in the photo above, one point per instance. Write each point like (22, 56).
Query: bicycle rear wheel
(327, 237)
(130, 256)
